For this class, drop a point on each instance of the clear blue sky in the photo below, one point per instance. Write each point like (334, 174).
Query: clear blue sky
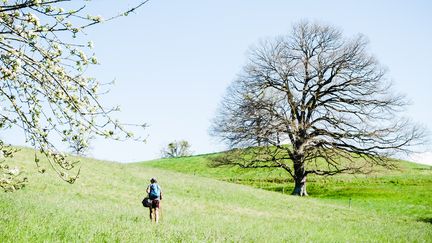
(172, 60)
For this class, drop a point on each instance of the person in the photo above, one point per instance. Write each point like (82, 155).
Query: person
(155, 194)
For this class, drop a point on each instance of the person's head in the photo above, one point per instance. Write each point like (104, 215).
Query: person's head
(153, 180)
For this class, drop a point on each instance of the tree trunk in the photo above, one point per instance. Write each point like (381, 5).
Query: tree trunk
(300, 187)
(299, 176)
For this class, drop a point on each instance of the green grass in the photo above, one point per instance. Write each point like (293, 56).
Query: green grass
(104, 206)
(405, 192)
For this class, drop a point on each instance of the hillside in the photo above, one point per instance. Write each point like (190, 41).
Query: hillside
(104, 205)
(405, 191)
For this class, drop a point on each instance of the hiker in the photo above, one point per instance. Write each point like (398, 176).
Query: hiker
(155, 194)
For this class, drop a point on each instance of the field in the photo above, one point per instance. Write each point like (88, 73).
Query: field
(206, 204)
(404, 192)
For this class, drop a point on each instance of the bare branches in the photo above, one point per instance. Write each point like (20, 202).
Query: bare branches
(255, 158)
(316, 96)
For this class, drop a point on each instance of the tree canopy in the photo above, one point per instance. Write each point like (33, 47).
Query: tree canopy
(313, 102)
(43, 89)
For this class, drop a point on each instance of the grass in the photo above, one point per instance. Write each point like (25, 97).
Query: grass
(104, 206)
(405, 192)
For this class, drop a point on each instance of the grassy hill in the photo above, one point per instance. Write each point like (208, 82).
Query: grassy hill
(104, 205)
(405, 192)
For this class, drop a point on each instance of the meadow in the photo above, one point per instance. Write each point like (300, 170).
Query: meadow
(405, 191)
(203, 204)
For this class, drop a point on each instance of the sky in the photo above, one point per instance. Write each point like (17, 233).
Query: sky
(173, 60)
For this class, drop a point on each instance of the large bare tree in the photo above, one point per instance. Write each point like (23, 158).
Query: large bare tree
(313, 102)
(43, 88)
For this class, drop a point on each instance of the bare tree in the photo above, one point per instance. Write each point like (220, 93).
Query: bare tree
(177, 149)
(43, 89)
(313, 102)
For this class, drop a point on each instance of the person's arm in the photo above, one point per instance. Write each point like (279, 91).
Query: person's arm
(148, 189)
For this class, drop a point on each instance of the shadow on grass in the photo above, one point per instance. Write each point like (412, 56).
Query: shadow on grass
(425, 220)
(427, 168)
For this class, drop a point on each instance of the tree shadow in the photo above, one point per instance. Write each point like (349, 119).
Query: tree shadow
(425, 220)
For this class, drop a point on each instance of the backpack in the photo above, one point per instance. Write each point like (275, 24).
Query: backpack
(154, 191)
(146, 202)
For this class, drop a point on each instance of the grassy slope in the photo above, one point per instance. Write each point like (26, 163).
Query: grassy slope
(404, 192)
(104, 205)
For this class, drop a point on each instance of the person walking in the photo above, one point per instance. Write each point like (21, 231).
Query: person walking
(155, 194)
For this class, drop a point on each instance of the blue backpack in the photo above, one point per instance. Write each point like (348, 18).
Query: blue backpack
(154, 191)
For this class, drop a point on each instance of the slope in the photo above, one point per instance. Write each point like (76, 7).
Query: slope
(406, 191)
(104, 205)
